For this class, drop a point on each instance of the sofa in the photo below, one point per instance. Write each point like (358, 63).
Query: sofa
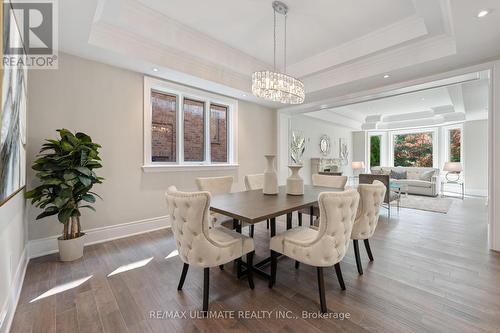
(420, 180)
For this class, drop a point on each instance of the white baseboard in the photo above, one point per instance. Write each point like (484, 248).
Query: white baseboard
(7, 314)
(44, 246)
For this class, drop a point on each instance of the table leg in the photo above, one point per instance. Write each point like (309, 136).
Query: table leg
(273, 226)
(311, 215)
(288, 221)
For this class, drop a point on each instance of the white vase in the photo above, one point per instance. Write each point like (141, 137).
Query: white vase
(270, 176)
(71, 249)
(295, 183)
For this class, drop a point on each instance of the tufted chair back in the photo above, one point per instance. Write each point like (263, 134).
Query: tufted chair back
(189, 218)
(254, 182)
(329, 181)
(215, 185)
(371, 197)
(330, 243)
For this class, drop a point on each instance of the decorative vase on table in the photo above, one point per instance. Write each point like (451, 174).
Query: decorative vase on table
(270, 176)
(295, 183)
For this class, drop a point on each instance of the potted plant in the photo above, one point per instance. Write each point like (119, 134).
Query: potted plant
(65, 168)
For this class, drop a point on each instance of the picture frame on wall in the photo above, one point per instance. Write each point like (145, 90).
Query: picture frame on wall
(12, 117)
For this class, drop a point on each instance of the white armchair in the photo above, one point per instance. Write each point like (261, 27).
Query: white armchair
(324, 246)
(199, 245)
(371, 198)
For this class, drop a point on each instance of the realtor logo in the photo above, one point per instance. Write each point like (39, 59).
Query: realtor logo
(30, 31)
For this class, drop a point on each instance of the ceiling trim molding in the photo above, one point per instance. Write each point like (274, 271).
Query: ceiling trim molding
(107, 36)
(426, 50)
(394, 34)
(136, 18)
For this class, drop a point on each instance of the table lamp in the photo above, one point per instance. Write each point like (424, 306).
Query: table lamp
(454, 169)
(358, 165)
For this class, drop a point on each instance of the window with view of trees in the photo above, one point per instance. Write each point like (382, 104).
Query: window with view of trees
(375, 142)
(454, 139)
(413, 149)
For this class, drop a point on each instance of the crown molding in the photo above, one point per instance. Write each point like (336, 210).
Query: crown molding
(394, 34)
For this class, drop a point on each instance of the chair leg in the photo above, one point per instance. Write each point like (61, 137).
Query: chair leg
(274, 264)
(297, 264)
(206, 282)
(183, 276)
(358, 258)
(267, 224)
(321, 287)
(250, 269)
(389, 210)
(300, 218)
(252, 230)
(338, 271)
(368, 249)
(221, 267)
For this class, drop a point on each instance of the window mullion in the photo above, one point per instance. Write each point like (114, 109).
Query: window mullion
(180, 131)
(207, 133)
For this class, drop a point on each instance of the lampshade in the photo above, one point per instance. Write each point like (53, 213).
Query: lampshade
(452, 167)
(356, 165)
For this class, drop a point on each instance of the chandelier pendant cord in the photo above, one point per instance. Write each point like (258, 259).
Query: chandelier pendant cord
(284, 51)
(274, 64)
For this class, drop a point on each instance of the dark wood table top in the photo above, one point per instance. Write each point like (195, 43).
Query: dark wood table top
(254, 206)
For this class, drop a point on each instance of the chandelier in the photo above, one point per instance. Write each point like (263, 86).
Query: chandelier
(273, 85)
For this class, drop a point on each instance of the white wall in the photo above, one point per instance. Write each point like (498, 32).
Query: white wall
(13, 258)
(107, 103)
(313, 129)
(476, 157)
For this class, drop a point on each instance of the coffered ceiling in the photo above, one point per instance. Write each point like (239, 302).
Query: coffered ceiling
(217, 44)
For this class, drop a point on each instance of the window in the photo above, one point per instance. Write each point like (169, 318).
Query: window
(454, 144)
(187, 128)
(194, 130)
(413, 149)
(218, 133)
(375, 147)
(164, 120)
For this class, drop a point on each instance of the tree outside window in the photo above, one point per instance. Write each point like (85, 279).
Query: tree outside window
(454, 137)
(413, 149)
(375, 142)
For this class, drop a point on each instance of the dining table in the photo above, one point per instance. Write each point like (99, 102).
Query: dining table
(252, 207)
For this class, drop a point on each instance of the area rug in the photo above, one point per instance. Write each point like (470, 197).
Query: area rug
(437, 204)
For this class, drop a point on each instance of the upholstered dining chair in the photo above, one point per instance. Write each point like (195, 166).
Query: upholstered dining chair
(326, 181)
(390, 195)
(371, 198)
(201, 246)
(324, 246)
(255, 182)
(217, 185)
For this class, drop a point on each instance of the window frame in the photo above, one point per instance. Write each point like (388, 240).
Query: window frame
(446, 141)
(182, 92)
(435, 143)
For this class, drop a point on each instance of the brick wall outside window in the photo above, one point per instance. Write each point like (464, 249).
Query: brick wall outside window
(218, 133)
(194, 133)
(163, 130)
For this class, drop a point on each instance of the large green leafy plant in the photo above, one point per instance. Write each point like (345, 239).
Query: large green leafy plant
(65, 168)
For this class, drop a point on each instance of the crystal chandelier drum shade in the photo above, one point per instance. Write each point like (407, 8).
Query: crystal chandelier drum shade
(277, 87)
(273, 85)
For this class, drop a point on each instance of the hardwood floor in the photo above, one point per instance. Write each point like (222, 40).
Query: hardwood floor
(432, 273)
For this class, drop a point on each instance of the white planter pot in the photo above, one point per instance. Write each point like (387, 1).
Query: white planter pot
(71, 249)
(270, 176)
(295, 183)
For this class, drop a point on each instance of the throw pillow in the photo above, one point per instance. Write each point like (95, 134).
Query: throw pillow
(398, 174)
(376, 171)
(427, 175)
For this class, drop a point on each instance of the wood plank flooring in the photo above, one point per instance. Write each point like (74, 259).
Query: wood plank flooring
(432, 273)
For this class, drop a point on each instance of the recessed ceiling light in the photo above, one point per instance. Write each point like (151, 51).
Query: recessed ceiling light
(483, 13)
(155, 69)
(386, 76)
(244, 95)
